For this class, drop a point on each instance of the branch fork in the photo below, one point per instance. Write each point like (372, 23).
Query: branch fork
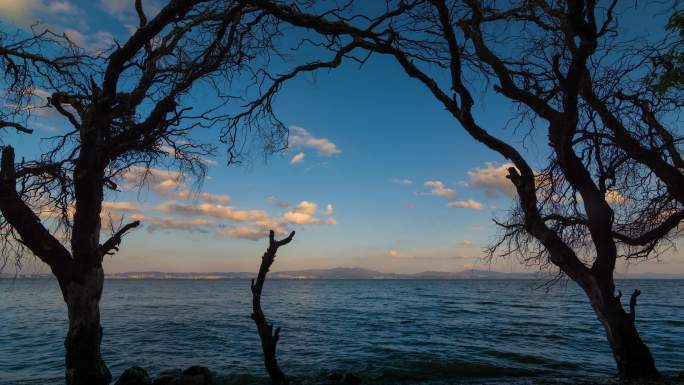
(269, 337)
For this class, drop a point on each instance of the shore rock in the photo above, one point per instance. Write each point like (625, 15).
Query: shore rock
(194, 375)
(134, 376)
(198, 371)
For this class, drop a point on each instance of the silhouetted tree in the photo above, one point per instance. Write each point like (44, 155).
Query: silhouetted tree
(269, 337)
(127, 106)
(613, 183)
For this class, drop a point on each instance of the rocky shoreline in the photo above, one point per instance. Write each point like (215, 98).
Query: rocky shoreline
(200, 375)
(194, 375)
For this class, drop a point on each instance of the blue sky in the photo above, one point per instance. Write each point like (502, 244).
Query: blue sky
(378, 174)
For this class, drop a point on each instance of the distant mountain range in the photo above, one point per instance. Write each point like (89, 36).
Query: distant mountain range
(359, 273)
(336, 273)
(343, 273)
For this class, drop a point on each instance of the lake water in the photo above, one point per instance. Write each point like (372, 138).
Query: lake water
(386, 332)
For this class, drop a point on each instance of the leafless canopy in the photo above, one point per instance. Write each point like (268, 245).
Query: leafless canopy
(613, 177)
(152, 100)
(612, 183)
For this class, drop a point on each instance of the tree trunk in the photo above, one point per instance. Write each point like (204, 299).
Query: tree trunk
(633, 358)
(269, 337)
(84, 364)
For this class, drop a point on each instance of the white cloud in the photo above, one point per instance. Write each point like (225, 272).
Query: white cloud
(439, 189)
(299, 218)
(245, 232)
(255, 223)
(252, 232)
(299, 158)
(166, 183)
(152, 223)
(75, 37)
(467, 204)
(212, 210)
(120, 206)
(304, 213)
(492, 179)
(301, 138)
(466, 242)
(117, 6)
(306, 207)
(392, 253)
(59, 16)
(186, 194)
(135, 176)
(124, 10)
(60, 6)
(26, 12)
(212, 198)
(113, 212)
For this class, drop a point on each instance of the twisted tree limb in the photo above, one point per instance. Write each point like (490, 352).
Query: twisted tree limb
(269, 337)
(632, 304)
(16, 126)
(33, 233)
(112, 244)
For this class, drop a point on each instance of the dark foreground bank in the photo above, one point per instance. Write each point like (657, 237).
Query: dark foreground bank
(198, 375)
(383, 332)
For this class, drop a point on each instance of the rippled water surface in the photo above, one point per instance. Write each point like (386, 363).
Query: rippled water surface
(386, 332)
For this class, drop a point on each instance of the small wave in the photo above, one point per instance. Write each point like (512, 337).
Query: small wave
(553, 337)
(487, 303)
(533, 360)
(445, 369)
(671, 322)
(518, 357)
(527, 306)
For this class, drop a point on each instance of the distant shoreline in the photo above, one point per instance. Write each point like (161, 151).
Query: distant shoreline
(340, 274)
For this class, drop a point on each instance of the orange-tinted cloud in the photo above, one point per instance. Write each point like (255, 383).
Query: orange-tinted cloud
(467, 204)
(492, 179)
(437, 188)
(301, 138)
(212, 210)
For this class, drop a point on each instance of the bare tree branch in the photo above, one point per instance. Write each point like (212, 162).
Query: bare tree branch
(112, 244)
(269, 337)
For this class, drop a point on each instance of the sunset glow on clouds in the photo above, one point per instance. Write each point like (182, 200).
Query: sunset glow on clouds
(298, 158)
(301, 138)
(437, 188)
(375, 177)
(467, 204)
(206, 213)
(211, 210)
(491, 179)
